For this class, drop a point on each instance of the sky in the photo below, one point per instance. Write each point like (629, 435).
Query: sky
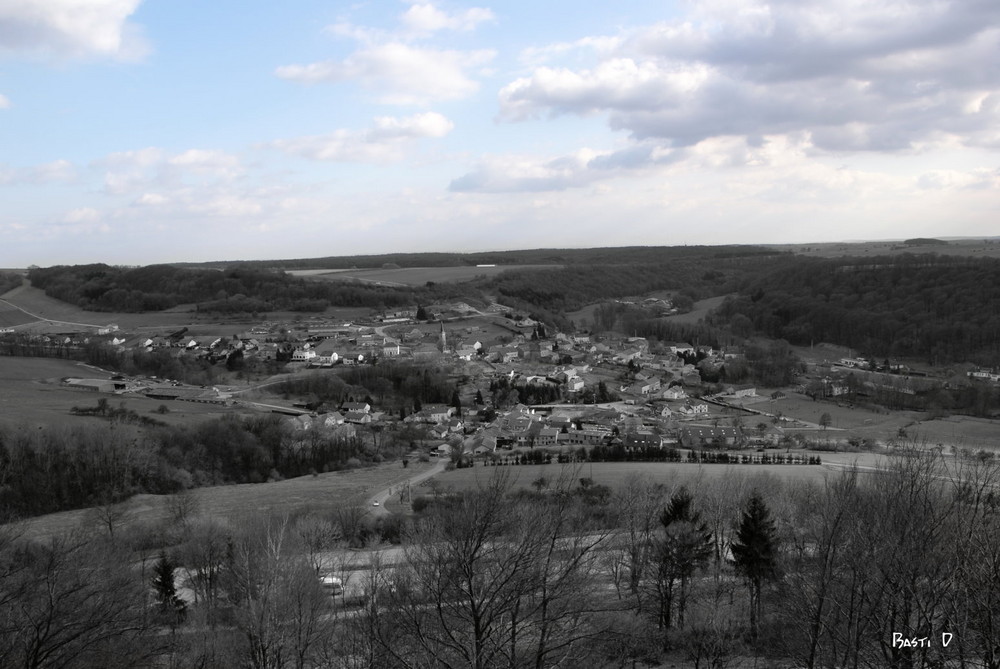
(145, 131)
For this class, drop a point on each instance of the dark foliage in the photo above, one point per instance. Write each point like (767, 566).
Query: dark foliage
(235, 290)
(939, 308)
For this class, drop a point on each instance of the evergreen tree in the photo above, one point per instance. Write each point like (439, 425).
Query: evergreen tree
(479, 397)
(456, 402)
(166, 592)
(755, 552)
(684, 548)
(421, 313)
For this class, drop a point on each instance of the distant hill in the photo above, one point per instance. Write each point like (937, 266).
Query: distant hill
(606, 255)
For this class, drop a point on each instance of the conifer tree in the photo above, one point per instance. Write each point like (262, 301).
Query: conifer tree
(755, 552)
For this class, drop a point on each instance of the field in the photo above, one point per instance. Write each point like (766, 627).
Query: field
(69, 317)
(31, 394)
(701, 309)
(322, 492)
(583, 318)
(969, 248)
(414, 276)
(846, 421)
(613, 474)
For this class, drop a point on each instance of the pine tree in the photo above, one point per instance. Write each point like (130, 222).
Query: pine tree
(166, 592)
(755, 552)
(683, 549)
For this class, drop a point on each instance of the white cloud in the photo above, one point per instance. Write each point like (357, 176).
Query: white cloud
(71, 28)
(399, 73)
(869, 75)
(426, 18)
(58, 171)
(82, 215)
(137, 171)
(152, 200)
(959, 180)
(384, 142)
(4, 102)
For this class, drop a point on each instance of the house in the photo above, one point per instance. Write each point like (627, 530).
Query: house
(643, 439)
(692, 409)
(438, 413)
(363, 407)
(665, 412)
(575, 384)
(718, 437)
(674, 393)
(358, 417)
(332, 419)
(743, 391)
(682, 348)
(302, 355)
(644, 387)
(547, 436)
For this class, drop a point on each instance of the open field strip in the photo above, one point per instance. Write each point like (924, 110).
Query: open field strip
(417, 276)
(614, 474)
(231, 503)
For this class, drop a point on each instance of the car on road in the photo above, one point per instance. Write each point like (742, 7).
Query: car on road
(375, 503)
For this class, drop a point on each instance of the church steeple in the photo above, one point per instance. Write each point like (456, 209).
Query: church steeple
(443, 343)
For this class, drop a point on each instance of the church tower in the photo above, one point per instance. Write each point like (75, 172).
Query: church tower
(443, 343)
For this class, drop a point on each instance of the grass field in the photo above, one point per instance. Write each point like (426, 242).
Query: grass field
(41, 305)
(613, 474)
(306, 493)
(415, 276)
(969, 248)
(31, 394)
(964, 431)
(11, 316)
(584, 317)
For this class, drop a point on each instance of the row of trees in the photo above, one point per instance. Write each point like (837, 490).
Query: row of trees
(92, 463)
(102, 287)
(704, 570)
(928, 306)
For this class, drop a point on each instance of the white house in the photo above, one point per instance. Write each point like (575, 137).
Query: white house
(674, 393)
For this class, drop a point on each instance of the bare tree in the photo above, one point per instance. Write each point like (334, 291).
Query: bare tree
(494, 582)
(638, 501)
(71, 602)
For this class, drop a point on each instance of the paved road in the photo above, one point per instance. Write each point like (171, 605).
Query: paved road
(382, 496)
(49, 320)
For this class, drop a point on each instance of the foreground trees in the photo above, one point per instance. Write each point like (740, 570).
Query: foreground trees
(501, 577)
(493, 582)
(755, 552)
(73, 602)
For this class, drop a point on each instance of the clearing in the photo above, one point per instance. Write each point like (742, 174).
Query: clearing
(233, 502)
(31, 393)
(415, 276)
(613, 474)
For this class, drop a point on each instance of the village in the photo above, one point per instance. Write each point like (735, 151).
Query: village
(519, 388)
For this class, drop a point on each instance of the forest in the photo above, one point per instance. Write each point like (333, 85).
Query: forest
(931, 307)
(102, 287)
(698, 572)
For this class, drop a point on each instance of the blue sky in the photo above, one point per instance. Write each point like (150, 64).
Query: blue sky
(143, 131)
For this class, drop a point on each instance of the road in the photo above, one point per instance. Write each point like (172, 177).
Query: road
(49, 320)
(382, 496)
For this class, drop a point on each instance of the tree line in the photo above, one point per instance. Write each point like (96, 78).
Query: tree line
(58, 468)
(703, 571)
(101, 287)
(911, 306)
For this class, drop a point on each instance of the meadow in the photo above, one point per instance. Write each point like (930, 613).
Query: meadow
(31, 394)
(415, 276)
(884, 425)
(323, 492)
(614, 474)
